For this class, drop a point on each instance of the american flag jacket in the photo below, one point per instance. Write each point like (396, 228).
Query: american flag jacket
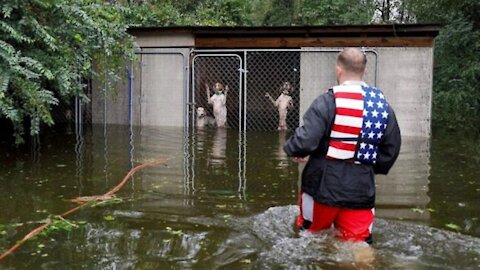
(360, 121)
(346, 179)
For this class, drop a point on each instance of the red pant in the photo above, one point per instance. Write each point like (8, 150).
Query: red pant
(351, 224)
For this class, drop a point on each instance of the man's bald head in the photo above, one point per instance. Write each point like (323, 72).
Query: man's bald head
(352, 60)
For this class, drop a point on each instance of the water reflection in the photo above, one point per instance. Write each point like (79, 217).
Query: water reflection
(155, 143)
(216, 158)
(403, 193)
(79, 157)
(189, 214)
(242, 165)
(219, 147)
(282, 157)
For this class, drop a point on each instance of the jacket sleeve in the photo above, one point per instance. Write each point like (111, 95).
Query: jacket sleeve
(389, 147)
(306, 138)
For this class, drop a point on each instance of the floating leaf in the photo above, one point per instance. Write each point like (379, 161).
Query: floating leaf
(179, 232)
(453, 226)
(109, 218)
(417, 210)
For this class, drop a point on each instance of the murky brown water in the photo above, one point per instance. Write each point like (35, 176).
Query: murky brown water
(225, 200)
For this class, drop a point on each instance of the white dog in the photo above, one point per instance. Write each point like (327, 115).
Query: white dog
(219, 102)
(203, 120)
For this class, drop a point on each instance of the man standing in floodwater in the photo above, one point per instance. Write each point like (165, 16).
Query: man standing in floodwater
(349, 133)
(283, 103)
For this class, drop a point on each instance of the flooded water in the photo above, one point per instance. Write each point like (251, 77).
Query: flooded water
(225, 200)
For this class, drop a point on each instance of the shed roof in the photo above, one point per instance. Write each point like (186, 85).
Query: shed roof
(408, 35)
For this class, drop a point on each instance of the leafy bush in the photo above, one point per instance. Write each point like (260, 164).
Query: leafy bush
(47, 48)
(456, 75)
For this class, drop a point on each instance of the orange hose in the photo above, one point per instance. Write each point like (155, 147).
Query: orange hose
(109, 193)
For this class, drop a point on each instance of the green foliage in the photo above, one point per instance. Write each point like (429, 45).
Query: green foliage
(393, 11)
(189, 12)
(457, 74)
(61, 225)
(47, 47)
(282, 12)
(444, 11)
(226, 12)
(456, 96)
(337, 12)
(312, 12)
(106, 202)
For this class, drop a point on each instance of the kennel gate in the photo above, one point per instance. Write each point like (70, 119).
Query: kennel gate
(251, 73)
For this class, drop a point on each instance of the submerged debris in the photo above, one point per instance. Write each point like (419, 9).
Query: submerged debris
(86, 199)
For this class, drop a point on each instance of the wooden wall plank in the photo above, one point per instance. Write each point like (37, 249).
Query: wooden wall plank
(296, 42)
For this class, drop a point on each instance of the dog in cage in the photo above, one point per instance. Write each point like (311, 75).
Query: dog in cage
(219, 102)
(284, 102)
(203, 120)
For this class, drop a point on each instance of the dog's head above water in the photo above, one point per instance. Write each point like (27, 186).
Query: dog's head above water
(203, 120)
(201, 112)
(219, 88)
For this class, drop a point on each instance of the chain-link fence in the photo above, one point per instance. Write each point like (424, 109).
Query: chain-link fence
(268, 71)
(251, 74)
(210, 69)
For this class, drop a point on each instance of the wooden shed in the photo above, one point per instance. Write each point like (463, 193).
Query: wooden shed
(168, 79)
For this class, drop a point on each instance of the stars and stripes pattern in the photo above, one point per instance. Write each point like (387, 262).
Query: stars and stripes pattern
(360, 121)
(375, 119)
(348, 121)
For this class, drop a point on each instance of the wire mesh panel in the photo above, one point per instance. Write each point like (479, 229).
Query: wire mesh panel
(305, 73)
(209, 69)
(269, 74)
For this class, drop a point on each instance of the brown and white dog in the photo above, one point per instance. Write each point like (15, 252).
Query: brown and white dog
(219, 102)
(203, 120)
